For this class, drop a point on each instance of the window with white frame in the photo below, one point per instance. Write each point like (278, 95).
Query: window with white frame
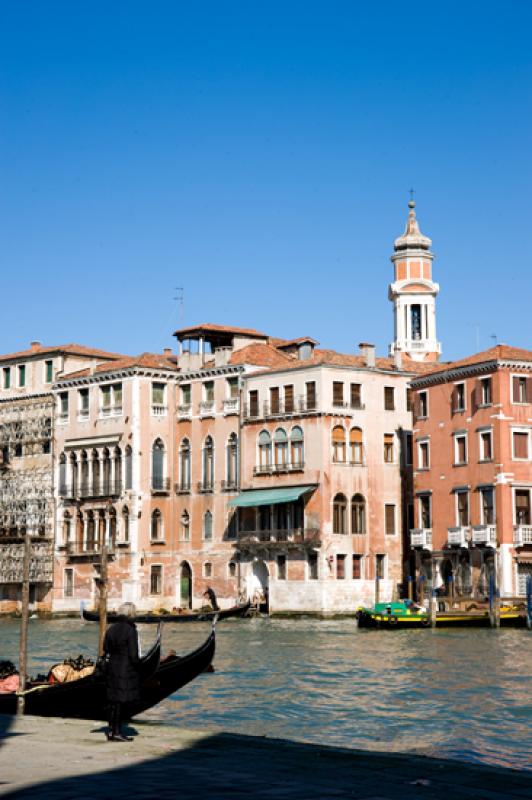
(389, 448)
(340, 514)
(358, 571)
(83, 403)
(232, 460)
(521, 389)
(460, 448)
(425, 511)
(487, 505)
(48, 371)
(265, 450)
(184, 466)
(380, 566)
(21, 375)
(207, 526)
(156, 579)
(156, 529)
(521, 444)
(338, 444)
(296, 446)
(522, 511)
(6, 378)
(389, 398)
(184, 527)
(208, 464)
(485, 443)
(358, 514)
(110, 399)
(231, 569)
(280, 447)
(63, 405)
(128, 468)
(356, 447)
(158, 399)
(485, 392)
(459, 397)
(207, 569)
(185, 395)
(158, 458)
(423, 454)
(462, 507)
(389, 519)
(68, 583)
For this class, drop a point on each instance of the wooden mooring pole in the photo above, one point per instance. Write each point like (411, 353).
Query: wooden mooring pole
(102, 586)
(24, 622)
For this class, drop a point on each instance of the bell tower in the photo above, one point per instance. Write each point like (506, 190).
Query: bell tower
(413, 294)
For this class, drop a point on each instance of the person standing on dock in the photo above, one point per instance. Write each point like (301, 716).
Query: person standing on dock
(121, 648)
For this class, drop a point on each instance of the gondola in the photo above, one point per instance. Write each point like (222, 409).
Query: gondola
(86, 697)
(197, 616)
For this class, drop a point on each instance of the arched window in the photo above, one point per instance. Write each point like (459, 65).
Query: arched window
(296, 447)
(125, 524)
(67, 525)
(95, 473)
(185, 527)
(358, 514)
(62, 475)
(356, 453)
(231, 569)
(157, 465)
(208, 464)
(184, 466)
(280, 443)
(74, 474)
(232, 461)
(106, 469)
(128, 468)
(117, 456)
(265, 450)
(84, 464)
(338, 443)
(156, 532)
(112, 529)
(90, 543)
(339, 514)
(207, 526)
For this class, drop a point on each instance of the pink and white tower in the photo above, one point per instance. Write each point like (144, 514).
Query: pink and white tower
(413, 294)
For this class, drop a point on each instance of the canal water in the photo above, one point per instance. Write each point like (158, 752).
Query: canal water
(463, 694)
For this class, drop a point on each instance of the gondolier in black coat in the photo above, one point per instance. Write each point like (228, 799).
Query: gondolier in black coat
(121, 648)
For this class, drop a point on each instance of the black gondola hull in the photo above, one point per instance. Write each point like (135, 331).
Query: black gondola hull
(87, 697)
(149, 619)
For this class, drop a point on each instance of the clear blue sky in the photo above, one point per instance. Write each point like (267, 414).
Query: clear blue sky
(259, 154)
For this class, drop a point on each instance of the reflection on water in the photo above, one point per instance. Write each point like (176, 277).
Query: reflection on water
(459, 694)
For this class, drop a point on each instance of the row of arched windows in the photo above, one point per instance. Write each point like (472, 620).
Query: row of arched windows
(157, 526)
(340, 514)
(85, 530)
(281, 450)
(347, 448)
(95, 472)
(207, 463)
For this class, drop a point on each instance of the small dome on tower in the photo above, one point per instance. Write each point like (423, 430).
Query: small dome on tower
(412, 237)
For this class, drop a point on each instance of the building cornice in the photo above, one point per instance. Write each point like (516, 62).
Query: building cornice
(468, 370)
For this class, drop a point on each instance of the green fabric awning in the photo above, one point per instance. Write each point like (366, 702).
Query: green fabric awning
(269, 497)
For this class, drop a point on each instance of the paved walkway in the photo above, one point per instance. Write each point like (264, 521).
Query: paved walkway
(60, 759)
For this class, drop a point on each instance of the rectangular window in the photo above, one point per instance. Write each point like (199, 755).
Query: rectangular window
(232, 388)
(207, 570)
(408, 448)
(423, 455)
(7, 378)
(522, 507)
(158, 394)
(389, 398)
(486, 448)
(409, 403)
(208, 392)
(63, 405)
(156, 579)
(310, 393)
(459, 397)
(289, 399)
(254, 403)
(462, 508)
(48, 371)
(520, 444)
(487, 505)
(281, 568)
(423, 404)
(388, 448)
(380, 563)
(485, 392)
(389, 516)
(106, 397)
(313, 566)
(274, 400)
(338, 393)
(425, 520)
(460, 449)
(357, 567)
(356, 395)
(22, 375)
(185, 394)
(69, 583)
(520, 392)
(117, 397)
(83, 402)
(340, 567)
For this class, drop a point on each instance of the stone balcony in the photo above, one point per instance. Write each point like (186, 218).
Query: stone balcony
(184, 411)
(280, 539)
(522, 535)
(421, 537)
(484, 535)
(231, 406)
(458, 536)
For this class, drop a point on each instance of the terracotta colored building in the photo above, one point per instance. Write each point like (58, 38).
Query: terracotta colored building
(473, 473)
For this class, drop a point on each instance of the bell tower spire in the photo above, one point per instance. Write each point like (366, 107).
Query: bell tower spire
(413, 293)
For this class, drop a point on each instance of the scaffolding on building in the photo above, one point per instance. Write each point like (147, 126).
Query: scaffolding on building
(26, 488)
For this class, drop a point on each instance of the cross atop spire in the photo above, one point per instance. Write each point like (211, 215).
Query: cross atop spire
(412, 238)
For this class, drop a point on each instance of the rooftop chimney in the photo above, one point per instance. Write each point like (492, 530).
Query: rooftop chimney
(35, 345)
(167, 352)
(398, 359)
(368, 351)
